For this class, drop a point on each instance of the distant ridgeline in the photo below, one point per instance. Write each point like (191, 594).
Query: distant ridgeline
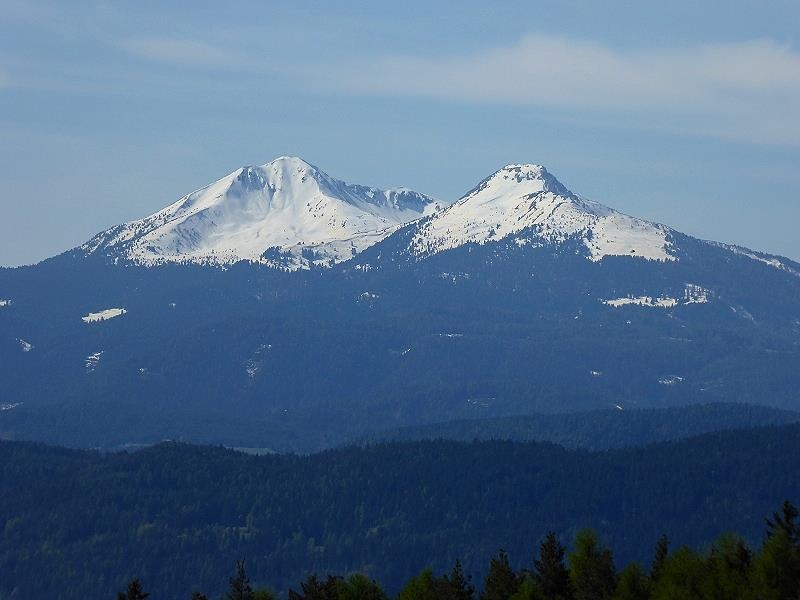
(81, 524)
(599, 430)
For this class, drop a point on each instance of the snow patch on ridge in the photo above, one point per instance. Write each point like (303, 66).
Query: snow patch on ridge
(642, 301)
(696, 294)
(103, 315)
(692, 294)
(776, 262)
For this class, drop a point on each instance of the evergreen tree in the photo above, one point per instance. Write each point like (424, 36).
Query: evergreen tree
(315, 589)
(421, 587)
(632, 584)
(456, 586)
(264, 594)
(681, 576)
(776, 569)
(785, 521)
(591, 568)
(727, 569)
(662, 550)
(359, 587)
(501, 581)
(527, 590)
(240, 588)
(134, 591)
(550, 572)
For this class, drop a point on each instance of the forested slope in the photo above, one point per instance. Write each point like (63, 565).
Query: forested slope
(79, 524)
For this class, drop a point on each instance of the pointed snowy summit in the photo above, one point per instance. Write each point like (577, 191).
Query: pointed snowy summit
(286, 212)
(528, 203)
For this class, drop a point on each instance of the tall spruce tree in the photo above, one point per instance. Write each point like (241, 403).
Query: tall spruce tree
(360, 587)
(134, 591)
(632, 584)
(785, 521)
(550, 571)
(455, 586)
(592, 568)
(659, 557)
(264, 594)
(727, 569)
(682, 576)
(240, 588)
(501, 581)
(421, 587)
(528, 590)
(776, 568)
(314, 588)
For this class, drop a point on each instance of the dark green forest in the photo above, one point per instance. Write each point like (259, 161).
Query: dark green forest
(82, 524)
(729, 569)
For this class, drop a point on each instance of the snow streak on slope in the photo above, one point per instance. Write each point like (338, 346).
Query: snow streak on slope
(528, 202)
(692, 294)
(776, 262)
(103, 315)
(696, 294)
(287, 213)
(91, 361)
(643, 301)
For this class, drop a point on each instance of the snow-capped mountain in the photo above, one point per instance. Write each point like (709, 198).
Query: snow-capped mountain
(520, 297)
(527, 202)
(290, 214)
(287, 213)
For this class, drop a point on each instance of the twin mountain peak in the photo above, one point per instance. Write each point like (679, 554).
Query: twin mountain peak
(290, 213)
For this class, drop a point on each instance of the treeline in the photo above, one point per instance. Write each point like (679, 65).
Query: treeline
(387, 511)
(729, 570)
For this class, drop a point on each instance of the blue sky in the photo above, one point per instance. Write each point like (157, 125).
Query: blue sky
(681, 112)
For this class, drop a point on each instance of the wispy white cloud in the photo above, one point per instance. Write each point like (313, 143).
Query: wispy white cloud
(182, 52)
(746, 90)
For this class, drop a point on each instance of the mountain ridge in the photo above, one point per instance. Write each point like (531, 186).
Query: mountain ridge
(521, 201)
(528, 202)
(599, 430)
(287, 212)
(99, 353)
